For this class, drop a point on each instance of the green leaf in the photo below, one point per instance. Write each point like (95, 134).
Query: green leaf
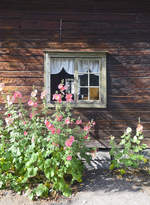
(41, 190)
(141, 137)
(52, 172)
(134, 140)
(34, 157)
(47, 163)
(123, 141)
(1, 184)
(122, 171)
(136, 149)
(31, 196)
(32, 172)
(111, 167)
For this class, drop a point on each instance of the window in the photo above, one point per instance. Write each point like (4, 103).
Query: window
(83, 72)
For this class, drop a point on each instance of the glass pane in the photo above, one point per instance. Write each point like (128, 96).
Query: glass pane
(94, 93)
(83, 80)
(83, 66)
(83, 94)
(94, 80)
(94, 66)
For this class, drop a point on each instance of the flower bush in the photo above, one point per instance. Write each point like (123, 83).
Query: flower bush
(41, 154)
(128, 154)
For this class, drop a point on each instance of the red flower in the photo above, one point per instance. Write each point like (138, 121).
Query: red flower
(86, 137)
(30, 103)
(58, 131)
(69, 141)
(67, 120)
(53, 130)
(69, 97)
(87, 128)
(69, 157)
(57, 97)
(59, 118)
(61, 87)
(50, 126)
(35, 104)
(17, 94)
(78, 122)
(25, 133)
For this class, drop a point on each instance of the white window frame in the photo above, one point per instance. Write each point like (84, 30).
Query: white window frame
(102, 102)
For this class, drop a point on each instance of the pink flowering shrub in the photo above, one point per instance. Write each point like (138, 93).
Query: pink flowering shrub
(39, 151)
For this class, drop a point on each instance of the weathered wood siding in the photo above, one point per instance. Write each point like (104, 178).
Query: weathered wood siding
(123, 32)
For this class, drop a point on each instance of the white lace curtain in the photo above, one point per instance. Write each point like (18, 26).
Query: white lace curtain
(84, 65)
(57, 64)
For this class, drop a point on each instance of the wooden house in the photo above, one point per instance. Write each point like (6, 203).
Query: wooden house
(101, 46)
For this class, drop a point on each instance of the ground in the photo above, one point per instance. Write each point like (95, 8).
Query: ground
(99, 186)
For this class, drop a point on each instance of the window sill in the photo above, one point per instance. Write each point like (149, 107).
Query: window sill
(82, 105)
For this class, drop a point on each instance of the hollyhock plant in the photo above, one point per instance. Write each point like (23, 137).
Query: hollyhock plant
(40, 146)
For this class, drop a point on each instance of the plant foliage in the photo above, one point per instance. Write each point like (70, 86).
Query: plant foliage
(128, 154)
(41, 153)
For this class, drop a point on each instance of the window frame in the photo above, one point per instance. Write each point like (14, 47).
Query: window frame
(102, 102)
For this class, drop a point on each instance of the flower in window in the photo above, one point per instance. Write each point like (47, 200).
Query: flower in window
(69, 97)
(57, 97)
(61, 87)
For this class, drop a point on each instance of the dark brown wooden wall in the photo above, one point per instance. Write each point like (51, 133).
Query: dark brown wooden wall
(123, 34)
